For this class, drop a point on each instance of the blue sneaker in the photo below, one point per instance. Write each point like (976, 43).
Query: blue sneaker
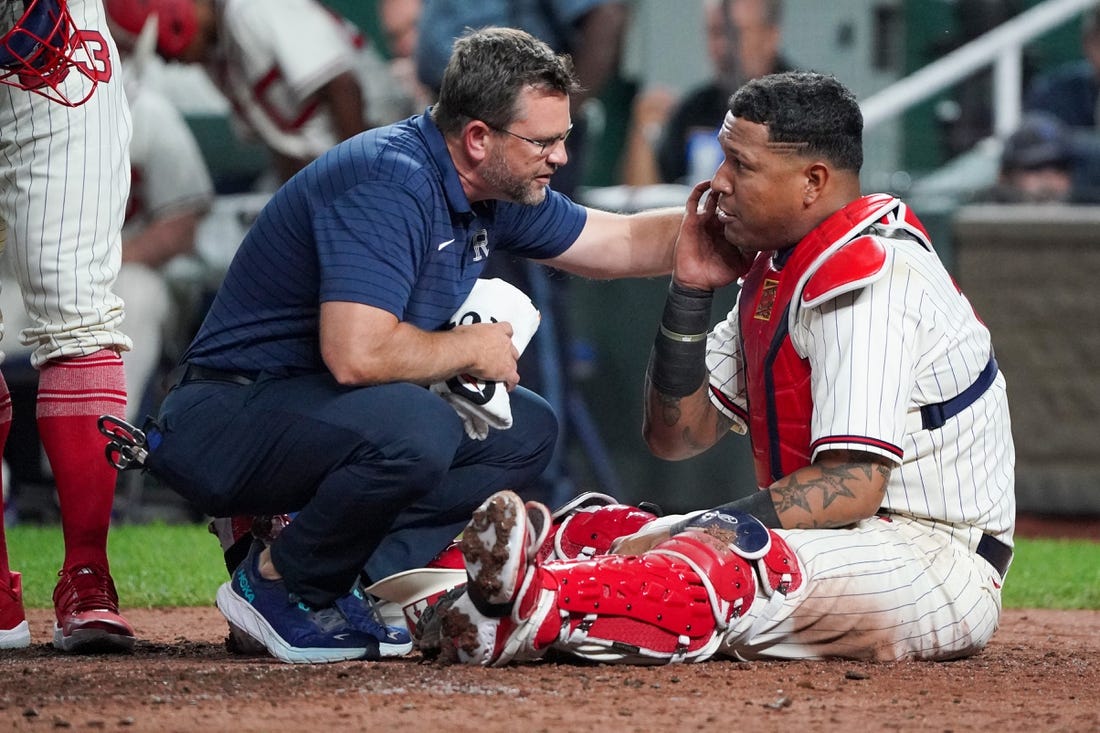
(362, 614)
(290, 630)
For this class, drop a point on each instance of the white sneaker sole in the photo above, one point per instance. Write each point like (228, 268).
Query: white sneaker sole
(391, 651)
(244, 616)
(17, 638)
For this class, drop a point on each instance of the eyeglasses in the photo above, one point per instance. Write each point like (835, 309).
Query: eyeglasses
(542, 145)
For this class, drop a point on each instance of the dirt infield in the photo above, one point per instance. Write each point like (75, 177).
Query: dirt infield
(1041, 672)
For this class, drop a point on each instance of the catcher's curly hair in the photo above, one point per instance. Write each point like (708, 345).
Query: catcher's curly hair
(487, 71)
(805, 107)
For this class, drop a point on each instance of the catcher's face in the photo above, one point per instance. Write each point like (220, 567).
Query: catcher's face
(761, 187)
(523, 156)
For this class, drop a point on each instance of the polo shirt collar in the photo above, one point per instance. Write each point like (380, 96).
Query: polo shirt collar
(437, 148)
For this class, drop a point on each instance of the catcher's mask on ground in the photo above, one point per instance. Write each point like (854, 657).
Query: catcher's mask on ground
(41, 46)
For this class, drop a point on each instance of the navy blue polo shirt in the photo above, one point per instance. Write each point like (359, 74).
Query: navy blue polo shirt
(380, 219)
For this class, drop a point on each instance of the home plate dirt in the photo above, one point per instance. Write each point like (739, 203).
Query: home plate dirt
(1041, 672)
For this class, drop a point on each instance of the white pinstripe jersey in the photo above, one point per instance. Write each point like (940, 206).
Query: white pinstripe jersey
(876, 355)
(65, 176)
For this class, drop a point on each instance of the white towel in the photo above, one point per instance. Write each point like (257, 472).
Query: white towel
(480, 404)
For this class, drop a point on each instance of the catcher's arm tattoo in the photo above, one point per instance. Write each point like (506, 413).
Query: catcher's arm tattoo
(840, 488)
(681, 427)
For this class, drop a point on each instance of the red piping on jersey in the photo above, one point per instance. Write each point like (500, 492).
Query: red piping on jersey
(859, 439)
(729, 404)
(357, 38)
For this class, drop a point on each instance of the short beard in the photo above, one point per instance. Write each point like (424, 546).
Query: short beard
(511, 187)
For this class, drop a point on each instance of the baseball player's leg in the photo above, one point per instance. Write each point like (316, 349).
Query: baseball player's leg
(603, 609)
(64, 214)
(14, 631)
(507, 459)
(916, 593)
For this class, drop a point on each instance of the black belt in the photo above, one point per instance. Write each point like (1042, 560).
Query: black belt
(994, 552)
(195, 373)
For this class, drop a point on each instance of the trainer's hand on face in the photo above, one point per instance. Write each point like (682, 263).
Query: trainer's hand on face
(705, 260)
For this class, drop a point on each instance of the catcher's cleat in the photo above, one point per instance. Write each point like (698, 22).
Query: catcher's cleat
(127, 447)
(428, 632)
(500, 545)
(86, 605)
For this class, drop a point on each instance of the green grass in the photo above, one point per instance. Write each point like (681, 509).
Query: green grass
(152, 564)
(1061, 574)
(181, 565)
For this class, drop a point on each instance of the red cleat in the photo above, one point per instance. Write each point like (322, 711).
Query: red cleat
(14, 631)
(86, 604)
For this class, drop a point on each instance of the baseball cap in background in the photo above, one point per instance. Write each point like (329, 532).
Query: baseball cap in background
(1041, 141)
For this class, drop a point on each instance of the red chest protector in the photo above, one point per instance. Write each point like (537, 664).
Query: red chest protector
(777, 378)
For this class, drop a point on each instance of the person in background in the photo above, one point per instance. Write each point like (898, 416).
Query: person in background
(675, 141)
(1071, 92)
(299, 78)
(1037, 164)
(171, 192)
(400, 21)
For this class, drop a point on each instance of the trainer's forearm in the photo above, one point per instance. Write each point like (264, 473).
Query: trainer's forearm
(653, 236)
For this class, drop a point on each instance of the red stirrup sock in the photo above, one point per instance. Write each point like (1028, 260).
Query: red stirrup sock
(72, 394)
(5, 427)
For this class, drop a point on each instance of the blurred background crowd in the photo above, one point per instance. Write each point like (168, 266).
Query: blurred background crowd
(1011, 121)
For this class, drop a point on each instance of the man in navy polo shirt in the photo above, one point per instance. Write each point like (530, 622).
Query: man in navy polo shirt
(304, 390)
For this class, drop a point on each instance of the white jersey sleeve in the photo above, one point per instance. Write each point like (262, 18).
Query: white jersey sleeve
(727, 370)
